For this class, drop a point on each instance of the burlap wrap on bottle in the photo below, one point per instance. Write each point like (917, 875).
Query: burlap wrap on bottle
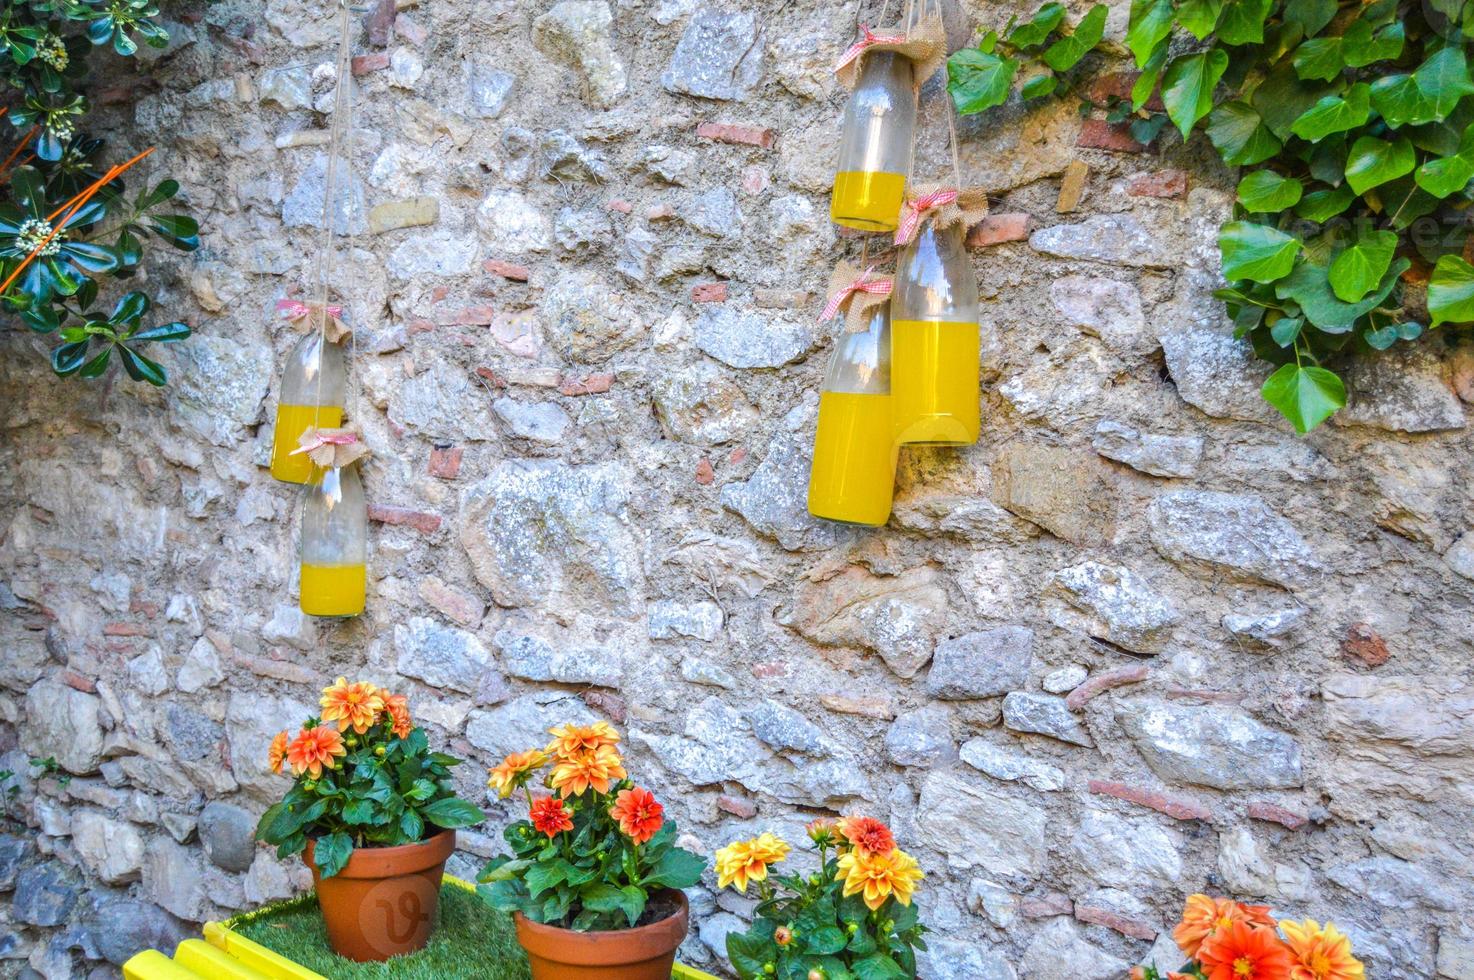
(855, 294)
(925, 44)
(942, 206)
(307, 317)
(332, 448)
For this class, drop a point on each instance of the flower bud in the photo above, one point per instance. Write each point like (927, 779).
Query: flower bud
(769, 969)
(351, 742)
(381, 751)
(816, 974)
(782, 935)
(309, 786)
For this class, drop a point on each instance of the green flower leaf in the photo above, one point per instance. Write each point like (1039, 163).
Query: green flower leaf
(1451, 291)
(331, 853)
(1066, 53)
(1307, 396)
(1150, 23)
(979, 80)
(1335, 114)
(1373, 162)
(1240, 136)
(1358, 269)
(1319, 58)
(1256, 252)
(452, 812)
(1362, 44)
(1187, 87)
(1243, 21)
(1264, 190)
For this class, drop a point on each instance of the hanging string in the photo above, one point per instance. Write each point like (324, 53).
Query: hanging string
(339, 136)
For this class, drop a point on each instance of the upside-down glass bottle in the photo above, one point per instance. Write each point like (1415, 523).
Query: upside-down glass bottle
(875, 149)
(312, 391)
(935, 340)
(854, 470)
(334, 548)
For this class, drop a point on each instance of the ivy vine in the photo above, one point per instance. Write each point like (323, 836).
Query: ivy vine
(1354, 123)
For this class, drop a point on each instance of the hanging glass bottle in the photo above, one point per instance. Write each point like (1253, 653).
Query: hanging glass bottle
(935, 338)
(875, 149)
(854, 470)
(334, 542)
(313, 387)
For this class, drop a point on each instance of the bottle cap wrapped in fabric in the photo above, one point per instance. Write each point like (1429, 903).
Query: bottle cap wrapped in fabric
(313, 388)
(934, 335)
(876, 145)
(334, 541)
(852, 478)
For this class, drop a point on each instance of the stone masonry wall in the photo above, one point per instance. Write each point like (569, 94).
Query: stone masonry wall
(1140, 641)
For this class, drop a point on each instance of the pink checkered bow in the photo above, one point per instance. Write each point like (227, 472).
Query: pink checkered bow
(913, 211)
(865, 43)
(861, 284)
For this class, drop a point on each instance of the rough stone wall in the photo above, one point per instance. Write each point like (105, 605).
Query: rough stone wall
(1140, 641)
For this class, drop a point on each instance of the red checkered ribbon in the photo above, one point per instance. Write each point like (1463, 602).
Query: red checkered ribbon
(861, 284)
(912, 212)
(865, 43)
(295, 309)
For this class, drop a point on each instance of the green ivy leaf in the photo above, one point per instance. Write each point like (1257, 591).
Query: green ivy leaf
(1286, 329)
(1400, 101)
(1264, 190)
(1199, 17)
(1150, 23)
(1284, 97)
(1187, 87)
(1358, 269)
(1256, 252)
(1308, 284)
(1307, 396)
(1243, 21)
(1319, 59)
(1039, 86)
(1240, 136)
(1444, 79)
(1318, 206)
(1362, 44)
(978, 80)
(1373, 162)
(1066, 53)
(1451, 291)
(1335, 114)
(1037, 31)
(1451, 173)
(331, 853)
(1381, 338)
(1311, 15)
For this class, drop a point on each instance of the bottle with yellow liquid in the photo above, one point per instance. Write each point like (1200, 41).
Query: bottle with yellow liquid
(334, 549)
(312, 391)
(854, 470)
(935, 340)
(875, 149)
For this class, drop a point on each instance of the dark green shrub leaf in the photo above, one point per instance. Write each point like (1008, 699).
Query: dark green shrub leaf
(1240, 136)
(1243, 21)
(163, 191)
(1319, 58)
(1037, 31)
(978, 80)
(1335, 114)
(331, 853)
(748, 953)
(163, 333)
(1264, 191)
(1362, 44)
(1373, 162)
(69, 358)
(877, 967)
(1256, 252)
(1307, 396)
(1199, 17)
(1151, 22)
(1451, 291)
(1066, 53)
(1187, 87)
(180, 230)
(827, 940)
(1358, 269)
(676, 868)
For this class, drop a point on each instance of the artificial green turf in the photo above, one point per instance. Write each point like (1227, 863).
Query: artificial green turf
(472, 942)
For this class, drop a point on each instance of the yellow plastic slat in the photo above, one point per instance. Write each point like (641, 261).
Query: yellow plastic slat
(689, 973)
(256, 956)
(208, 961)
(153, 965)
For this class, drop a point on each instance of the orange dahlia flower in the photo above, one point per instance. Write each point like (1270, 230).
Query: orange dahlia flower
(1322, 954)
(514, 771)
(747, 860)
(599, 768)
(277, 754)
(868, 834)
(313, 749)
(1241, 951)
(549, 816)
(638, 814)
(354, 706)
(1203, 916)
(878, 876)
(571, 740)
(396, 706)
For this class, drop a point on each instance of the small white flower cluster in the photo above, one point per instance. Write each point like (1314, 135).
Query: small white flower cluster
(33, 233)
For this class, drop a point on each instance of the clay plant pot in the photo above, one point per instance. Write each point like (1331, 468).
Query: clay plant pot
(644, 953)
(386, 900)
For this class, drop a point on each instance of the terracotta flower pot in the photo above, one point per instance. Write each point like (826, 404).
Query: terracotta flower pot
(386, 900)
(644, 953)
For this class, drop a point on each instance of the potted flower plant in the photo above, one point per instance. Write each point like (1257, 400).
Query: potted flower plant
(853, 918)
(594, 878)
(373, 811)
(1227, 940)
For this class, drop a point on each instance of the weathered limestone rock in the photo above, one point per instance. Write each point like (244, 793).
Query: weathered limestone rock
(201, 668)
(976, 825)
(747, 340)
(63, 724)
(542, 422)
(700, 405)
(1125, 853)
(578, 33)
(251, 721)
(45, 894)
(441, 656)
(1120, 239)
(1104, 308)
(523, 723)
(174, 877)
(512, 225)
(1210, 746)
(696, 620)
(534, 658)
(1045, 714)
(959, 960)
(891, 615)
(1218, 375)
(1056, 489)
(784, 729)
(217, 385)
(920, 738)
(303, 207)
(1064, 680)
(227, 833)
(775, 499)
(110, 849)
(1269, 630)
(1456, 954)
(1233, 533)
(982, 664)
(1011, 766)
(1155, 454)
(720, 56)
(1460, 555)
(1395, 884)
(1113, 604)
(546, 533)
(1402, 390)
(1059, 952)
(122, 926)
(488, 88)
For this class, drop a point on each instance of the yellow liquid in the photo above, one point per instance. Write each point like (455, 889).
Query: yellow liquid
(867, 200)
(854, 471)
(333, 590)
(934, 382)
(291, 422)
